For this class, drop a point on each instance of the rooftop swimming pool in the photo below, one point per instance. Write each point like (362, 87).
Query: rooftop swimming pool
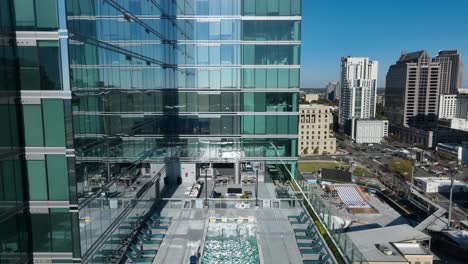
(231, 243)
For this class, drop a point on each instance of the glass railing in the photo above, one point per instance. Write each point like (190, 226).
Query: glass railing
(334, 229)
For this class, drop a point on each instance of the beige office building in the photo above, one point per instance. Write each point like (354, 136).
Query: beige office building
(316, 130)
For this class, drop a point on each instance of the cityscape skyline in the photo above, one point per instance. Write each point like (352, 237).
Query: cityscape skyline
(176, 131)
(384, 39)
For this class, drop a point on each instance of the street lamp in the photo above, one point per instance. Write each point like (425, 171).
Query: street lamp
(256, 187)
(206, 186)
(450, 201)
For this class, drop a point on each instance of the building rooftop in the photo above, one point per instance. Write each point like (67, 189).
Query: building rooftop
(439, 180)
(411, 57)
(393, 238)
(458, 236)
(410, 249)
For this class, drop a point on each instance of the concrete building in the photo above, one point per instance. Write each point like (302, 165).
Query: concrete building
(439, 185)
(451, 71)
(398, 244)
(381, 99)
(412, 91)
(453, 123)
(459, 152)
(358, 88)
(333, 91)
(316, 130)
(448, 106)
(311, 97)
(462, 106)
(369, 131)
(463, 90)
(453, 106)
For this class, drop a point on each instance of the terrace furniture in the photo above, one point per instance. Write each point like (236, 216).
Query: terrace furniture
(314, 250)
(143, 252)
(148, 241)
(304, 220)
(139, 259)
(297, 216)
(302, 245)
(152, 236)
(309, 228)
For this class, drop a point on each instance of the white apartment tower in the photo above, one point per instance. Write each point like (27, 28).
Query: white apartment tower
(358, 88)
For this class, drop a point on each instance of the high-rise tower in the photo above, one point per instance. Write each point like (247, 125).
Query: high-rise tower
(358, 88)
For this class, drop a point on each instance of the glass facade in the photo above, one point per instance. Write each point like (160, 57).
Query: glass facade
(38, 217)
(111, 89)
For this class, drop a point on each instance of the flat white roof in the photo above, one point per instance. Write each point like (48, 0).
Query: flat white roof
(441, 180)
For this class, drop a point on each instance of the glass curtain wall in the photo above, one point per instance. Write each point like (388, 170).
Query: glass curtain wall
(180, 80)
(36, 153)
(14, 218)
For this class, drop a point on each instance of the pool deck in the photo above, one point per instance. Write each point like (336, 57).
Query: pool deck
(275, 236)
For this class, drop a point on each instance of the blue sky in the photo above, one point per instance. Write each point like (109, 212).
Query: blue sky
(379, 29)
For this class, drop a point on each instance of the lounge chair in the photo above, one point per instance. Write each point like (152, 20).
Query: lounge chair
(139, 259)
(152, 236)
(149, 253)
(296, 217)
(152, 242)
(310, 228)
(315, 250)
(304, 220)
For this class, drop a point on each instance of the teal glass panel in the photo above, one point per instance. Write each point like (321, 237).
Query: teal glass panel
(296, 56)
(249, 102)
(215, 103)
(203, 79)
(248, 125)
(282, 128)
(49, 61)
(227, 104)
(273, 7)
(37, 180)
(204, 103)
(260, 102)
(249, 7)
(293, 121)
(29, 68)
(46, 11)
(260, 78)
(249, 78)
(227, 125)
(261, 7)
(297, 30)
(260, 124)
(283, 78)
(41, 236)
(272, 125)
(24, 14)
(272, 78)
(57, 177)
(285, 8)
(215, 79)
(294, 78)
(249, 54)
(296, 7)
(33, 134)
(54, 125)
(61, 230)
(192, 102)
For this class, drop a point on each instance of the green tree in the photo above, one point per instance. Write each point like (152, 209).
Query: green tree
(401, 166)
(445, 156)
(306, 151)
(316, 150)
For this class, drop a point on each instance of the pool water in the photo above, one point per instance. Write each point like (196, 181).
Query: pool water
(231, 243)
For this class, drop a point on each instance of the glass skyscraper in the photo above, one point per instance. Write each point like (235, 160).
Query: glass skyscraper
(98, 93)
